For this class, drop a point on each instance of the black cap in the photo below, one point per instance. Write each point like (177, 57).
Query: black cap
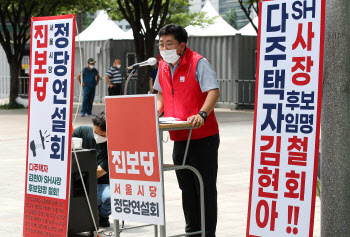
(91, 60)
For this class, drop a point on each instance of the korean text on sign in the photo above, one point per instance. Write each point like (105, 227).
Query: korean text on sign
(49, 126)
(286, 126)
(134, 164)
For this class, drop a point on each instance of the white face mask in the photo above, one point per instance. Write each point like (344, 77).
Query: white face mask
(91, 66)
(170, 56)
(118, 66)
(99, 139)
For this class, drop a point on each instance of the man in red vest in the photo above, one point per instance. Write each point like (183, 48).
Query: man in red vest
(187, 89)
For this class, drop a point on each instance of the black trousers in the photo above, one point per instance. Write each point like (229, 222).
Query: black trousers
(115, 90)
(202, 155)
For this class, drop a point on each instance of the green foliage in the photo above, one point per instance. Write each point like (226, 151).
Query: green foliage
(45, 7)
(231, 18)
(319, 185)
(191, 18)
(15, 15)
(178, 13)
(86, 20)
(249, 6)
(146, 18)
(12, 105)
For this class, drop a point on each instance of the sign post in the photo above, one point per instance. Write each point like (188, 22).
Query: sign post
(287, 118)
(134, 160)
(49, 126)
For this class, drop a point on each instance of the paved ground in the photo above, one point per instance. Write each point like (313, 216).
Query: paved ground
(233, 179)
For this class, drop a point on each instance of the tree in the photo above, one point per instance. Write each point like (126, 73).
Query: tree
(146, 18)
(86, 20)
(15, 22)
(249, 6)
(231, 17)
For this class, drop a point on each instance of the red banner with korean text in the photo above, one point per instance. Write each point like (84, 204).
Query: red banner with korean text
(287, 118)
(134, 162)
(49, 126)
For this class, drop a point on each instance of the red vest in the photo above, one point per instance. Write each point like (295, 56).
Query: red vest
(183, 97)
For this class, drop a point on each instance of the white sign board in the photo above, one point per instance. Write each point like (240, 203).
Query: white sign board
(49, 126)
(287, 118)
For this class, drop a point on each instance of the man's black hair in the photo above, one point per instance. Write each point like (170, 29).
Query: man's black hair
(100, 120)
(179, 33)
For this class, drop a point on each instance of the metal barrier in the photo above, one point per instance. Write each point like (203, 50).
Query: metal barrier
(102, 89)
(245, 93)
(227, 89)
(233, 92)
(4, 87)
(169, 167)
(236, 92)
(23, 86)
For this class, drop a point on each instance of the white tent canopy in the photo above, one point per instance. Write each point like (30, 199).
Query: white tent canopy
(102, 28)
(249, 29)
(130, 34)
(219, 28)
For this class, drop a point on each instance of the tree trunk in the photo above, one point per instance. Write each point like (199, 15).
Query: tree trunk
(335, 159)
(145, 72)
(142, 54)
(244, 9)
(143, 80)
(14, 68)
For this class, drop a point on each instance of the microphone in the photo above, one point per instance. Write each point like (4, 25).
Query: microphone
(150, 62)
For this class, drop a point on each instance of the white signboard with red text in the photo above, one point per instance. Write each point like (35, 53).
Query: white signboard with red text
(49, 126)
(134, 160)
(287, 118)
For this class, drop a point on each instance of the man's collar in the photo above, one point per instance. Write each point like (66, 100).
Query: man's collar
(183, 59)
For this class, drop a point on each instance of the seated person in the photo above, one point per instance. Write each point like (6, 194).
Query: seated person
(96, 138)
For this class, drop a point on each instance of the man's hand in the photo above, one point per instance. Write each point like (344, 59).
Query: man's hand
(196, 120)
(111, 85)
(83, 84)
(100, 172)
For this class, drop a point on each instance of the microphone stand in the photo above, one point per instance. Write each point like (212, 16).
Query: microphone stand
(127, 81)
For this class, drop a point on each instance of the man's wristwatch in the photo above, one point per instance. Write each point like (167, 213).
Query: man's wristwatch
(203, 114)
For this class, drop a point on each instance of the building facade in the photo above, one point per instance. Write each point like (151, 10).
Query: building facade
(197, 5)
(123, 24)
(225, 7)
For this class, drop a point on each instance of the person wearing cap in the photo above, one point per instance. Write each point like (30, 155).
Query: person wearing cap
(114, 78)
(89, 83)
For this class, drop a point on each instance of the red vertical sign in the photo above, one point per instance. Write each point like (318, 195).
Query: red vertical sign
(134, 163)
(49, 126)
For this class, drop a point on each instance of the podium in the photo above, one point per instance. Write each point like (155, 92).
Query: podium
(170, 167)
(135, 152)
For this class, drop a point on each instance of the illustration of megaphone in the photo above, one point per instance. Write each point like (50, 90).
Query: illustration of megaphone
(33, 146)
